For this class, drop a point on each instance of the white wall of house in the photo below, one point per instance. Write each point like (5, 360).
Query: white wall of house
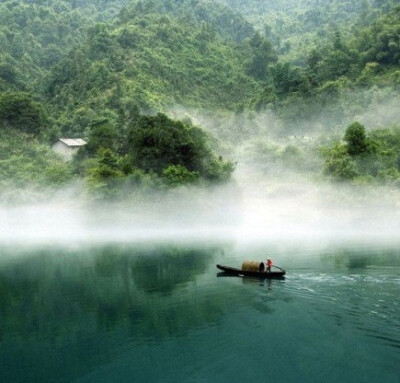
(67, 152)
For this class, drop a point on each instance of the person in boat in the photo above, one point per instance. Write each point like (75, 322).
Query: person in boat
(269, 264)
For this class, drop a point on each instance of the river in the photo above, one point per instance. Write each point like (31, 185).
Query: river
(162, 313)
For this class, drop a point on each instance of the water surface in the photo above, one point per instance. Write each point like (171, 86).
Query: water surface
(162, 313)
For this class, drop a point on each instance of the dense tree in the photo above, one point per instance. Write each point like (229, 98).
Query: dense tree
(26, 162)
(20, 111)
(36, 35)
(177, 175)
(356, 139)
(365, 157)
(102, 135)
(339, 164)
(287, 79)
(157, 152)
(230, 25)
(185, 65)
(263, 56)
(103, 75)
(156, 143)
(301, 22)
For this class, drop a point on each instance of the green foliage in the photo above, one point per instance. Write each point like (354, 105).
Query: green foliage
(356, 139)
(101, 135)
(25, 162)
(287, 79)
(185, 65)
(321, 75)
(158, 152)
(34, 36)
(218, 170)
(296, 25)
(202, 53)
(380, 42)
(391, 175)
(339, 163)
(108, 168)
(365, 158)
(263, 55)
(8, 72)
(208, 15)
(98, 72)
(157, 142)
(19, 111)
(104, 178)
(177, 175)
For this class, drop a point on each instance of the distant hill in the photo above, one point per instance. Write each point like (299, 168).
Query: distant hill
(296, 25)
(36, 34)
(228, 23)
(93, 69)
(158, 59)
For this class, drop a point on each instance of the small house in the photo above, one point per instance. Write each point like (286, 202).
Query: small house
(67, 147)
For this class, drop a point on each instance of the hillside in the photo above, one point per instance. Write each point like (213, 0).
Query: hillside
(105, 70)
(159, 61)
(228, 23)
(36, 34)
(294, 26)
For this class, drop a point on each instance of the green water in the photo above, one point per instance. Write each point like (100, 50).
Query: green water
(161, 313)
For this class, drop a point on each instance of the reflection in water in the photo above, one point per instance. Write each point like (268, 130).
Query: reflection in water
(260, 303)
(262, 282)
(362, 258)
(70, 300)
(117, 312)
(164, 272)
(111, 283)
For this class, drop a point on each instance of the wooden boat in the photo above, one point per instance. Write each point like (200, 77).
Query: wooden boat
(259, 274)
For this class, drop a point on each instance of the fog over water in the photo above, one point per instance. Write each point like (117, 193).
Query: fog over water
(291, 211)
(278, 205)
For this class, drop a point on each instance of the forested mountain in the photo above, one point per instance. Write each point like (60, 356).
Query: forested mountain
(226, 22)
(103, 70)
(342, 74)
(185, 65)
(35, 34)
(295, 25)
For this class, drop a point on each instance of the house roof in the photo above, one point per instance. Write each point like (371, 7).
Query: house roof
(72, 142)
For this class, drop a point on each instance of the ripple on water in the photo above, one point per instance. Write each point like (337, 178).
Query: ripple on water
(365, 302)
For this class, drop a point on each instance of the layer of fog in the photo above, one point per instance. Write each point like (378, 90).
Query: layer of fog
(266, 202)
(375, 108)
(289, 212)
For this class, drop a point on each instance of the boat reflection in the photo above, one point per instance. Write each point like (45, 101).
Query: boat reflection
(268, 282)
